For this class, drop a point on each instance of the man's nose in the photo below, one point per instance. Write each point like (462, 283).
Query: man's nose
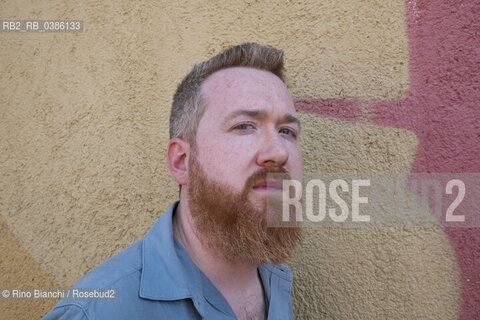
(272, 152)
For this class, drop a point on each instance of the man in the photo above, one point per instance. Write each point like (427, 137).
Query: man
(211, 255)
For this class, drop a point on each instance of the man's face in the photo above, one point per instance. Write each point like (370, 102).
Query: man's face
(249, 128)
(249, 124)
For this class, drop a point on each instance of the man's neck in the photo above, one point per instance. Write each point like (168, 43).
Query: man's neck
(238, 281)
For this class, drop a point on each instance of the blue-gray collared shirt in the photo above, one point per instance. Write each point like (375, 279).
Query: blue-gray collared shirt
(156, 279)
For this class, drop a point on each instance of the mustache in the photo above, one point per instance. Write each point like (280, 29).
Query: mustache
(262, 174)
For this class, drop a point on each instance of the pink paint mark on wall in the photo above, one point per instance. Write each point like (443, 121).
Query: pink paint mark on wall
(344, 109)
(442, 107)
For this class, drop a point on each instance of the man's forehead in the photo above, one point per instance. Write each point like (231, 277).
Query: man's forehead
(246, 88)
(237, 78)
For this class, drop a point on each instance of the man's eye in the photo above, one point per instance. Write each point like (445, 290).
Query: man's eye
(288, 132)
(244, 126)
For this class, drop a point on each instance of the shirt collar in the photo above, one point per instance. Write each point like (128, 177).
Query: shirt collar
(165, 275)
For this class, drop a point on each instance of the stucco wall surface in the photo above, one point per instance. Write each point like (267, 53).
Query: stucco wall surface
(84, 126)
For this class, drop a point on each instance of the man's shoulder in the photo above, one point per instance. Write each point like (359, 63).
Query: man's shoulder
(114, 270)
(121, 273)
(130, 261)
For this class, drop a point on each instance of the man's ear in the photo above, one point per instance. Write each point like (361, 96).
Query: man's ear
(177, 157)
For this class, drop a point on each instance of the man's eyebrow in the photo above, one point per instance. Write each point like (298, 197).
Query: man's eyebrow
(290, 118)
(260, 114)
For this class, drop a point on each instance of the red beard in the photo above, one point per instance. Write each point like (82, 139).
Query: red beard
(230, 225)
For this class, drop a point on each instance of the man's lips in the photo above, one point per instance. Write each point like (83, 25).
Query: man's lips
(268, 185)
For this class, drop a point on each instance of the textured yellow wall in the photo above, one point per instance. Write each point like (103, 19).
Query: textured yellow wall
(370, 273)
(84, 126)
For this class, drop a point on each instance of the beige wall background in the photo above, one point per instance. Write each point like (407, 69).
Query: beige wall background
(84, 126)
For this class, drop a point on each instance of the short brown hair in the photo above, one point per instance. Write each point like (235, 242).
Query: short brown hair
(188, 106)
